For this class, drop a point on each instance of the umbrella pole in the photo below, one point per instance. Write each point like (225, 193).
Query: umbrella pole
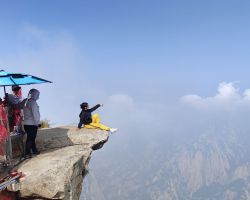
(4, 90)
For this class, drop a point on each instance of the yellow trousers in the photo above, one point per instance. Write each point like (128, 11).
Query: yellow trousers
(96, 123)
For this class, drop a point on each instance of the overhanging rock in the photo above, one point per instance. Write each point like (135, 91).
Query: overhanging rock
(58, 172)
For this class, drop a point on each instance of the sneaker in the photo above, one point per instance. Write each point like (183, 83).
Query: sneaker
(36, 152)
(27, 156)
(112, 130)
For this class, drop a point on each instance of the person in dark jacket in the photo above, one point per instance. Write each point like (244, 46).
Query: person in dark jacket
(92, 122)
(15, 105)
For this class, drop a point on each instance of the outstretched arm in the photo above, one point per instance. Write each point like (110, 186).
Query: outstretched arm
(20, 104)
(94, 108)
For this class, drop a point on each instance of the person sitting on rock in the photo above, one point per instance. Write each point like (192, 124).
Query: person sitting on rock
(92, 122)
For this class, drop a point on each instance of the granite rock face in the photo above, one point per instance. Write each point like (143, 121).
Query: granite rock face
(58, 172)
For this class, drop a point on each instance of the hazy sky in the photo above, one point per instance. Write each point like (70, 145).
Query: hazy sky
(141, 58)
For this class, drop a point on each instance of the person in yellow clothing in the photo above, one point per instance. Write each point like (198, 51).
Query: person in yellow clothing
(92, 122)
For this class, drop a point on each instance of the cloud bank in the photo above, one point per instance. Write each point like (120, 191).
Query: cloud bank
(55, 55)
(228, 97)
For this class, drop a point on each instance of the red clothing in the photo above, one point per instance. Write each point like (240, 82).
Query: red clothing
(3, 131)
(6, 196)
(14, 114)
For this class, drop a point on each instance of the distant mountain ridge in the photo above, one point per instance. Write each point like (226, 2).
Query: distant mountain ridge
(202, 167)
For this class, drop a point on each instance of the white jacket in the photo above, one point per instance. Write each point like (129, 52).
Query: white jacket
(31, 110)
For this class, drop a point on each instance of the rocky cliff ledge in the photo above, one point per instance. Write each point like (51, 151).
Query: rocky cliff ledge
(58, 172)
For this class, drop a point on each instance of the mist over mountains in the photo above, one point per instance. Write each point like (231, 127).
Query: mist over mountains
(208, 167)
(201, 152)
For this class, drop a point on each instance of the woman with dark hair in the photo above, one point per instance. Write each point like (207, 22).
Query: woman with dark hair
(15, 104)
(92, 122)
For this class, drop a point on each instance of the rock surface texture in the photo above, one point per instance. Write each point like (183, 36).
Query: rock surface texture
(58, 172)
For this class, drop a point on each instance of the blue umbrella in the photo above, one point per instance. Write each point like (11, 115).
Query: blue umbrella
(9, 79)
